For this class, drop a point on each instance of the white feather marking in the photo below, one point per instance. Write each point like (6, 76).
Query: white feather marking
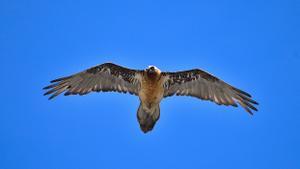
(186, 92)
(216, 99)
(119, 88)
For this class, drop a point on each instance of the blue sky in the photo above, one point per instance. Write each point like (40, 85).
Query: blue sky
(253, 45)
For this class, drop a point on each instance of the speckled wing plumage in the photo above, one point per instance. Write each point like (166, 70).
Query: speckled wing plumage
(202, 85)
(102, 78)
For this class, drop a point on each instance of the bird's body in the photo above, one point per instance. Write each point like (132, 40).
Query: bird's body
(152, 90)
(151, 86)
(150, 95)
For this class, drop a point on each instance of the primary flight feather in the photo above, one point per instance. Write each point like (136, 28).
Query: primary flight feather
(151, 86)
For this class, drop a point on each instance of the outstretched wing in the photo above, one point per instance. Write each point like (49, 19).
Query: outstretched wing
(202, 85)
(105, 77)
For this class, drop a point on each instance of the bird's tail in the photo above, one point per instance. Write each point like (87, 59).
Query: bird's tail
(147, 119)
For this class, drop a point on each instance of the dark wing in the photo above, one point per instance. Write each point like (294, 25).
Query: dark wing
(105, 77)
(200, 84)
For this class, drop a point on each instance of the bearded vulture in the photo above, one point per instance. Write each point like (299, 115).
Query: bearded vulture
(151, 86)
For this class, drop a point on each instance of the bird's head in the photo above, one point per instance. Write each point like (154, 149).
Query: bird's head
(152, 70)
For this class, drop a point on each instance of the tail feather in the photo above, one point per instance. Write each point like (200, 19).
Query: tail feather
(146, 119)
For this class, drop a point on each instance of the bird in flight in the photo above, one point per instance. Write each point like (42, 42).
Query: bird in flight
(151, 86)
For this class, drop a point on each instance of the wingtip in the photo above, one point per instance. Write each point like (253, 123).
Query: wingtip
(60, 79)
(48, 92)
(241, 91)
(251, 112)
(252, 101)
(47, 87)
(51, 97)
(55, 80)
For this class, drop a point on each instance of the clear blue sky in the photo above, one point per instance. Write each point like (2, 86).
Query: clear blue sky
(253, 45)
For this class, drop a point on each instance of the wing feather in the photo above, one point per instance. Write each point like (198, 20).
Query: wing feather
(200, 84)
(104, 77)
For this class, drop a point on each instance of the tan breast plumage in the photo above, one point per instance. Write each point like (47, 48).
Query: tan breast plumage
(151, 90)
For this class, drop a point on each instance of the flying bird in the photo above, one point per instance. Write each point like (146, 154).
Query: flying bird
(151, 86)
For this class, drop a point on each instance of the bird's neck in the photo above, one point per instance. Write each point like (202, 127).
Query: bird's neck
(152, 76)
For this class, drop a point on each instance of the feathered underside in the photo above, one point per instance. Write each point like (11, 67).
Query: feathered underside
(111, 77)
(202, 85)
(105, 77)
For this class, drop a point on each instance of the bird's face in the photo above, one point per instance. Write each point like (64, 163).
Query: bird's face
(151, 70)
